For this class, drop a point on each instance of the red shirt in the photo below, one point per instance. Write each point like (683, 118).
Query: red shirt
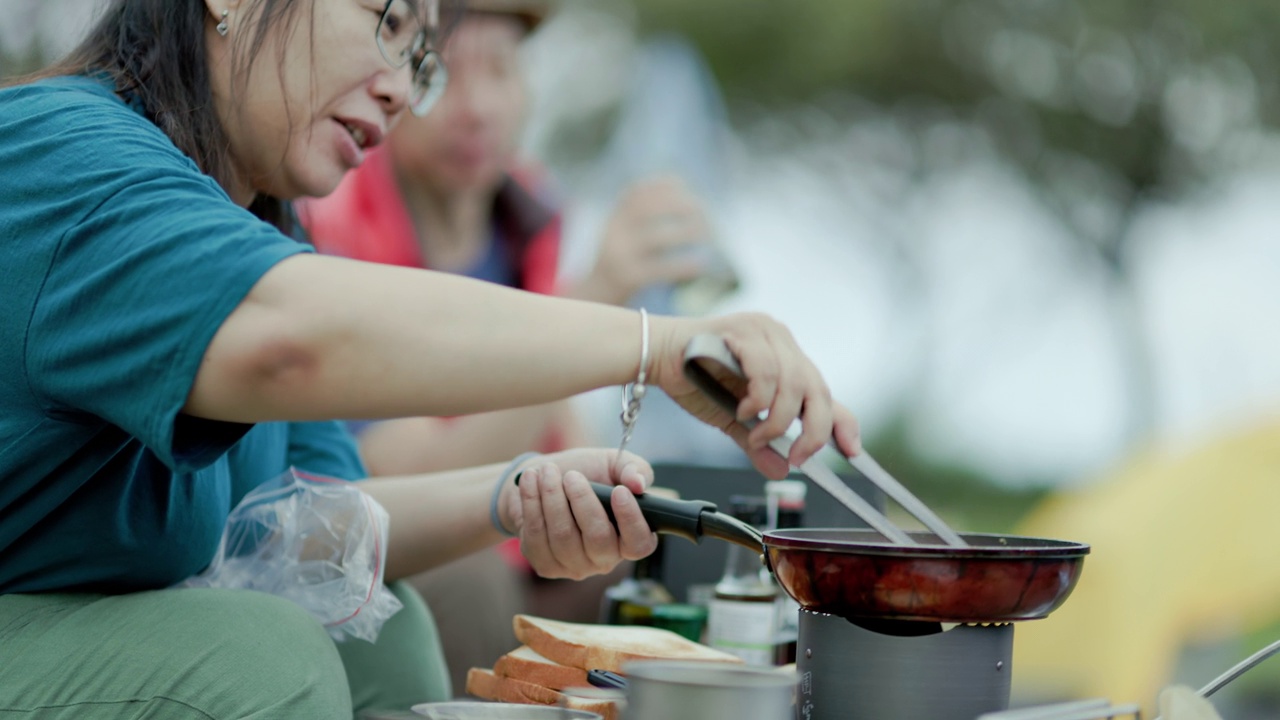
(366, 219)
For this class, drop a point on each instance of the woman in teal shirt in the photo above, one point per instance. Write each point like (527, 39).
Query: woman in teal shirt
(165, 347)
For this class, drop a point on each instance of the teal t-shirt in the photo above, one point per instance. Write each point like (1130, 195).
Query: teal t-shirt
(119, 260)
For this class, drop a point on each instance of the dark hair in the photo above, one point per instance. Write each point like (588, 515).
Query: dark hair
(154, 52)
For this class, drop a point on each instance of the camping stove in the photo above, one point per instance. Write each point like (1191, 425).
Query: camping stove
(900, 670)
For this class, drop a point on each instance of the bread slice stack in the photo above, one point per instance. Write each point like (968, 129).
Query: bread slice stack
(557, 655)
(524, 663)
(487, 685)
(608, 647)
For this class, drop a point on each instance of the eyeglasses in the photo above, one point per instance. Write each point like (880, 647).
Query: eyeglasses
(404, 38)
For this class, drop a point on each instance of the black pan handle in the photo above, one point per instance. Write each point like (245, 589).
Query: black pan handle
(664, 515)
(689, 519)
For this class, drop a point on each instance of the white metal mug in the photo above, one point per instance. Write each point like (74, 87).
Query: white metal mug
(666, 690)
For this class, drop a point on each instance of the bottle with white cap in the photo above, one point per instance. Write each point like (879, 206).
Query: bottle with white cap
(784, 503)
(742, 617)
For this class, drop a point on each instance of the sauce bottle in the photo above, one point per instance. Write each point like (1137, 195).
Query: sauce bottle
(742, 618)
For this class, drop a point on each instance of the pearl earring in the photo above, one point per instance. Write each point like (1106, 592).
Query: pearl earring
(221, 27)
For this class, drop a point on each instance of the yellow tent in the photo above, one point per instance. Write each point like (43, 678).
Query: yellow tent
(1186, 546)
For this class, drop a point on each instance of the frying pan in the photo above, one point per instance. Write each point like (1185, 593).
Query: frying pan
(859, 574)
(855, 574)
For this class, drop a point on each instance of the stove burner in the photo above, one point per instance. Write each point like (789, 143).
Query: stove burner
(887, 670)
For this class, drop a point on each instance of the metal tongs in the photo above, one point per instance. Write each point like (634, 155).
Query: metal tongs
(704, 348)
(1103, 710)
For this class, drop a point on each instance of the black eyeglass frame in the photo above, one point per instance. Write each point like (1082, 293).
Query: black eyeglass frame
(429, 73)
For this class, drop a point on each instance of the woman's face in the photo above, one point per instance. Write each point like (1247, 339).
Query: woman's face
(318, 95)
(468, 140)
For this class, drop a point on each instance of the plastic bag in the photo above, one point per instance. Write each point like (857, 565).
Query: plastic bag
(317, 541)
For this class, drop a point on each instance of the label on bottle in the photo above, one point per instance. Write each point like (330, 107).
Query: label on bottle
(745, 629)
(633, 613)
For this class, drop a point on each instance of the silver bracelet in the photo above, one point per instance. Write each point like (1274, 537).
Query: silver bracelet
(633, 393)
(497, 492)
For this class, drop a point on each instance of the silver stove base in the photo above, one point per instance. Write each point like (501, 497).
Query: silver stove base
(851, 673)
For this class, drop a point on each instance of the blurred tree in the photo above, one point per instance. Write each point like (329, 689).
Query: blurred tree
(1103, 106)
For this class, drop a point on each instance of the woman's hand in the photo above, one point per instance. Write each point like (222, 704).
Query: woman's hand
(644, 241)
(781, 380)
(563, 529)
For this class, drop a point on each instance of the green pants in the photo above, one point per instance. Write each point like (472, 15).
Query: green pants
(207, 655)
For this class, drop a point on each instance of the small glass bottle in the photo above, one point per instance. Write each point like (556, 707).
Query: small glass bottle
(742, 618)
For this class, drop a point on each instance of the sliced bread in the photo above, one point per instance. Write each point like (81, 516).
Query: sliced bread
(607, 647)
(485, 685)
(524, 663)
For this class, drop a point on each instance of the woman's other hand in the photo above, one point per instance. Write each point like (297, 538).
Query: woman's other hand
(563, 529)
(781, 380)
(646, 241)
